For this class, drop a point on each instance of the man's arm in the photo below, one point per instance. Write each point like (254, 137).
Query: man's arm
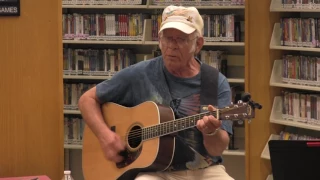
(115, 90)
(217, 143)
(91, 113)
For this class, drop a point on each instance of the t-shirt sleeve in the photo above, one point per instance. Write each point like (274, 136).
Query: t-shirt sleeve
(118, 89)
(224, 99)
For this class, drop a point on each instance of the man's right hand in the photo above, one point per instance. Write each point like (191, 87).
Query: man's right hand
(112, 145)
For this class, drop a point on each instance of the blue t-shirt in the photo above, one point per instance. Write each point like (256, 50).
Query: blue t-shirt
(151, 81)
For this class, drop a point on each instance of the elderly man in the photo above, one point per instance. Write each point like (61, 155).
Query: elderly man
(174, 79)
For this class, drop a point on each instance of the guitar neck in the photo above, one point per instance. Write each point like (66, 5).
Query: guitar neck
(173, 126)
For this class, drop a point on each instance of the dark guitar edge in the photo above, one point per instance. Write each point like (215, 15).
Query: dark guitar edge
(165, 150)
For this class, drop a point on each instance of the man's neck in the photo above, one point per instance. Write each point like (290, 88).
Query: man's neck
(188, 70)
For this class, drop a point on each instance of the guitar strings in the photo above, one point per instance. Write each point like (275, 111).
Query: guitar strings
(138, 134)
(171, 123)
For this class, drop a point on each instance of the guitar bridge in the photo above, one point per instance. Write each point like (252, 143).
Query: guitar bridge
(129, 157)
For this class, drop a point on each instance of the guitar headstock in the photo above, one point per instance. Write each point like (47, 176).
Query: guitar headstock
(239, 111)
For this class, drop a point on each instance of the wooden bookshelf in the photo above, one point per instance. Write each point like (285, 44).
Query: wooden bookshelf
(31, 109)
(259, 30)
(276, 120)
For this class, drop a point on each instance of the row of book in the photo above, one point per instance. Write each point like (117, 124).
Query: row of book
(72, 93)
(130, 27)
(73, 130)
(96, 62)
(103, 2)
(301, 4)
(300, 32)
(155, 2)
(301, 107)
(285, 135)
(302, 70)
(156, 20)
(217, 59)
(106, 62)
(103, 26)
(216, 27)
(200, 2)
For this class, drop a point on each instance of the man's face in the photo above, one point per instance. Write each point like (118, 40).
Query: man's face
(177, 48)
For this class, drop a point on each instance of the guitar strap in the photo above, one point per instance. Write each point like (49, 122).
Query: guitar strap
(209, 86)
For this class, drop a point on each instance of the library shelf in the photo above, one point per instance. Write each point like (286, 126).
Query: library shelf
(276, 6)
(275, 42)
(270, 177)
(74, 6)
(276, 79)
(72, 146)
(265, 153)
(276, 117)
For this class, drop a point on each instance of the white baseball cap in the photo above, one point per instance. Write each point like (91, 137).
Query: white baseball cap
(185, 19)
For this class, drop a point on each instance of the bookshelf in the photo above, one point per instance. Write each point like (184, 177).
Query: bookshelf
(31, 106)
(144, 47)
(275, 42)
(278, 119)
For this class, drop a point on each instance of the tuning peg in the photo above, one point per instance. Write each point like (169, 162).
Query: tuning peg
(240, 122)
(246, 97)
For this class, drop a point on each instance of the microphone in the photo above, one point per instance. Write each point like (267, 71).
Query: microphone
(246, 97)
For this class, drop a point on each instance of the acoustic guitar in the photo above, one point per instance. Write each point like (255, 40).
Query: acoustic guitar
(147, 132)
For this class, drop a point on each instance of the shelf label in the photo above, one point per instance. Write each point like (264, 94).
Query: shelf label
(9, 7)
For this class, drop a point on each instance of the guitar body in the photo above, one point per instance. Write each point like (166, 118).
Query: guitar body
(152, 155)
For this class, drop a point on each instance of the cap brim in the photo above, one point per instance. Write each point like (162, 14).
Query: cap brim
(178, 25)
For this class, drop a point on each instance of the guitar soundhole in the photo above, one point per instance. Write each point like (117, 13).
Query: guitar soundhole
(135, 137)
(134, 150)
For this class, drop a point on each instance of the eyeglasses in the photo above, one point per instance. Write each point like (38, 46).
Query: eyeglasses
(181, 42)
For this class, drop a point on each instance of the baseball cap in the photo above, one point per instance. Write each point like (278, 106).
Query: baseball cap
(185, 19)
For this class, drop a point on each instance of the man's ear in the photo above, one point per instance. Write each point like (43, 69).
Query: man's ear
(160, 46)
(199, 44)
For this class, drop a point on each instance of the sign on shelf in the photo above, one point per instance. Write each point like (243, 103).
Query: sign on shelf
(9, 7)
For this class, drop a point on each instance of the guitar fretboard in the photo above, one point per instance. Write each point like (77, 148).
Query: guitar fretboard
(172, 126)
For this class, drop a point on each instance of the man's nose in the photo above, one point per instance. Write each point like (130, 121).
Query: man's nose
(173, 44)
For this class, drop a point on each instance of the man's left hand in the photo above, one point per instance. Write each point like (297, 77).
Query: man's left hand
(208, 124)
